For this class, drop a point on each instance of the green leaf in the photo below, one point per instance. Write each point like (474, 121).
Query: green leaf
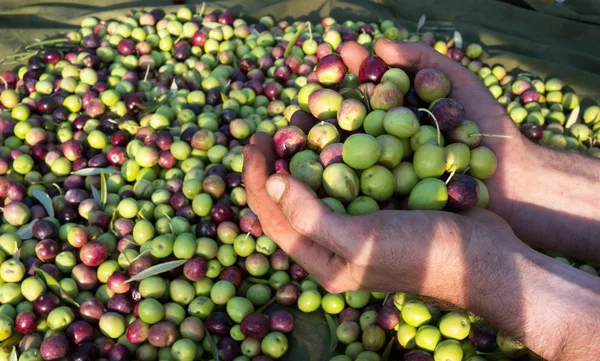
(145, 253)
(96, 194)
(573, 117)
(103, 190)
(11, 342)
(95, 171)
(332, 323)
(213, 346)
(157, 269)
(197, 76)
(151, 107)
(352, 93)
(54, 286)
(257, 280)
(212, 24)
(13, 355)
(45, 200)
(173, 89)
(421, 22)
(292, 42)
(26, 232)
(388, 350)
(387, 295)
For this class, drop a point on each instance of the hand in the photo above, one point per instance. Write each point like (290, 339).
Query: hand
(422, 252)
(480, 107)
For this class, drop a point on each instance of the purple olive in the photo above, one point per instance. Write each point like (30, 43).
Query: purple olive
(281, 321)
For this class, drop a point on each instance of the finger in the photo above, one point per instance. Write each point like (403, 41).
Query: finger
(272, 220)
(264, 143)
(353, 54)
(307, 214)
(411, 57)
(466, 86)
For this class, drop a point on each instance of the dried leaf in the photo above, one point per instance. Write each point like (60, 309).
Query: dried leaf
(157, 269)
(45, 200)
(54, 286)
(421, 22)
(103, 190)
(213, 347)
(13, 355)
(26, 232)
(292, 42)
(95, 171)
(458, 40)
(573, 117)
(332, 323)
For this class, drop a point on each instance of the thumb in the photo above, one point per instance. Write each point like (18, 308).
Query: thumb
(305, 212)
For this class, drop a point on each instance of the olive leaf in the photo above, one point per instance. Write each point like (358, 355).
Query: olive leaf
(103, 190)
(170, 221)
(292, 43)
(572, 117)
(11, 342)
(458, 40)
(145, 253)
(197, 77)
(387, 295)
(54, 286)
(212, 24)
(96, 194)
(26, 232)
(202, 9)
(388, 350)
(13, 355)
(174, 88)
(152, 106)
(45, 200)
(213, 346)
(257, 280)
(157, 269)
(352, 93)
(95, 171)
(421, 22)
(332, 323)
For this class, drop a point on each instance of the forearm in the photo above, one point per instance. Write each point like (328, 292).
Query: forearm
(552, 202)
(551, 307)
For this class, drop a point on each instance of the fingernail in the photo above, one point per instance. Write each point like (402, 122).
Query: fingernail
(275, 188)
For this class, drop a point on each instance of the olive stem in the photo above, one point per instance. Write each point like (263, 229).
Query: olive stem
(147, 72)
(309, 30)
(439, 133)
(466, 170)
(490, 135)
(266, 305)
(451, 175)
(4, 82)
